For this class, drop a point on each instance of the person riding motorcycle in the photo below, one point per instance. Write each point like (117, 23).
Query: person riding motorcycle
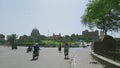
(29, 49)
(36, 51)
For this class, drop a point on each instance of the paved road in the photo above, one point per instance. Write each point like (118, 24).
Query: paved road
(49, 58)
(85, 60)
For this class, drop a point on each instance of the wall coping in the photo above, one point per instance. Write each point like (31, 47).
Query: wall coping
(106, 59)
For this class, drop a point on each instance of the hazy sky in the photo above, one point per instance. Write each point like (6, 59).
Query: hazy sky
(55, 16)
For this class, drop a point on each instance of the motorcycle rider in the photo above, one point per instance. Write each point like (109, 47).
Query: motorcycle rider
(29, 49)
(36, 50)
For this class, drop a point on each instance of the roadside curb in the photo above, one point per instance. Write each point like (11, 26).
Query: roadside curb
(107, 62)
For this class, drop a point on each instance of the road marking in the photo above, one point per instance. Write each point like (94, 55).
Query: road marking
(74, 62)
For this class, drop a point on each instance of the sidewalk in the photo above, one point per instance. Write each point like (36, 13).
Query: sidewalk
(84, 60)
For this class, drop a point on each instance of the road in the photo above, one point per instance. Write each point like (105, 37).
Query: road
(49, 58)
(84, 59)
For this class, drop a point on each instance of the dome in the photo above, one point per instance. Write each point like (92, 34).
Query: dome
(35, 29)
(35, 32)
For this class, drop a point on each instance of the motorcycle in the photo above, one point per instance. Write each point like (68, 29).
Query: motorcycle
(35, 55)
(29, 50)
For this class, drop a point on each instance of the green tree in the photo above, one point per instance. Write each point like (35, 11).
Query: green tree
(110, 22)
(25, 40)
(103, 14)
(75, 37)
(67, 38)
(12, 39)
(2, 39)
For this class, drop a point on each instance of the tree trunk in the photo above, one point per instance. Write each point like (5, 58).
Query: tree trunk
(105, 32)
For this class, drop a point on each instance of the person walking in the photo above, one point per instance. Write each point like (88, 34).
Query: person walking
(59, 48)
(66, 51)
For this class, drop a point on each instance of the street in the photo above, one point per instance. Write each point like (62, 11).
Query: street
(48, 58)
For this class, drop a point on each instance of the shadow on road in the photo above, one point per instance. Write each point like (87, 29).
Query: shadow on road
(33, 59)
(66, 58)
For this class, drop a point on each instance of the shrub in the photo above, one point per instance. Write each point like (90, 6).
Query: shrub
(109, 43)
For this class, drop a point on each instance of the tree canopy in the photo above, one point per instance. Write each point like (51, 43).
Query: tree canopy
(12, 39)
(103, 14)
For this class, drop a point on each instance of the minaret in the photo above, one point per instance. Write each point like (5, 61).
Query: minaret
(48, 33)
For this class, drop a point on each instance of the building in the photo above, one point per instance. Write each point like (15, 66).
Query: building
(35, 33)
(92, 35)
(54, 37)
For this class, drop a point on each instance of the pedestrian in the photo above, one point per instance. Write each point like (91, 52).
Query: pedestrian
(66, 51)
(59, 48)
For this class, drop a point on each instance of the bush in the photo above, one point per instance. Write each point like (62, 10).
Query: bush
(109, 43)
